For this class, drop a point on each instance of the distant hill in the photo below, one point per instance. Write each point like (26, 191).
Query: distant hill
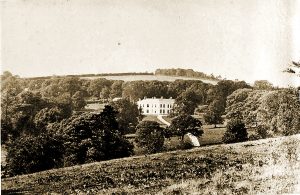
(93, 75)
(270, 166)
(178, 72)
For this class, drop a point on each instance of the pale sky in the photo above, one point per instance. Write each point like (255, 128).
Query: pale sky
(237, 39)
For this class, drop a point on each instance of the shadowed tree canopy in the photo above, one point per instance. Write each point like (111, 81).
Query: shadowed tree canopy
(34, 153)
(150, 136)
(186, 103)
(235, 132)
(184, 124)
(94, 137)
(127, 115)
(214, 113)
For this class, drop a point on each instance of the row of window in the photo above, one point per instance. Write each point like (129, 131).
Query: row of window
(160, 105)
(161, 111)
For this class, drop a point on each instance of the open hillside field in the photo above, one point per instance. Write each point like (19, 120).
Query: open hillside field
(211, 135)
(269, 166)
(149, 78)
(95, 106)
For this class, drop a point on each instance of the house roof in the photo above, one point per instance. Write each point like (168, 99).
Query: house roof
(157, 100)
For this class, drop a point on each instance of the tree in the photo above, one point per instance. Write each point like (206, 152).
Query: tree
(214, 113)
(244, 104)
(116, 89)
(10, 88)
(53, 90)
(5, 75)
(35, 85)
(150, 136)
(223, 89)
(93, 137)
(272, 113)
(293, 68)
(64, 102)
(70, 85)
(186, 103)
(31, 154)
(184, 124)
(97, 85)
(279, 111)
(235, 132)
(261, 132)
(29, 104)
(156, 89)
(78, 101)
(127, 115)
(6, 131)
(235, 103)
(134, 90)
(263, 85)
(200, 90)
(179, 86)
(105, 92)
(46, 116)
(8, 111)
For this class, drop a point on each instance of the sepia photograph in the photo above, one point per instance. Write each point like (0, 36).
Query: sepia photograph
(150, 97)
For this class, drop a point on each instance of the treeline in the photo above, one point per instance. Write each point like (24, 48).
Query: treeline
(186, 73)
(270, 112)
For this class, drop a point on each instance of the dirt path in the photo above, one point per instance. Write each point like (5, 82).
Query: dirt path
(160, 118)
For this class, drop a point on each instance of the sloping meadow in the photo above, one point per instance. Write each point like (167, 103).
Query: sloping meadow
(266, 166)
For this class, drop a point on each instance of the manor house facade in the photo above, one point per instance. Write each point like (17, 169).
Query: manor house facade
(156, 106)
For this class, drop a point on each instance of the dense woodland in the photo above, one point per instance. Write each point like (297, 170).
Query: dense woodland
(186, 73)
(43, 120)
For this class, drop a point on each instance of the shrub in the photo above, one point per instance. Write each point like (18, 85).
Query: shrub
(150, 136)
(185, 144)
(254, 137)
(236, 132)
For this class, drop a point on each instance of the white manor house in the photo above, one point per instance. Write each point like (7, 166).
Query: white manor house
(156, 106)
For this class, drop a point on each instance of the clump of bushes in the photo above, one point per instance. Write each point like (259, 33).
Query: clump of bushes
(235, 132)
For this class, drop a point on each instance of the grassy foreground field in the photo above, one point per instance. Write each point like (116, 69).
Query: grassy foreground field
(268, 166)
